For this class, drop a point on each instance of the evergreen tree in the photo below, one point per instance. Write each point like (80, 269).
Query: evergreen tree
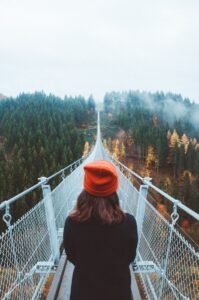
(91, 104)
(181, 160)
(37, 133)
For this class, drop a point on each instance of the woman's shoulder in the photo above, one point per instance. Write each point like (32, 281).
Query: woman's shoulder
(130, 219)
(70, 224)
(68, 221)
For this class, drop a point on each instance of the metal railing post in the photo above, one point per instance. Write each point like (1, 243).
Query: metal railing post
(141, 207)
(50, 218)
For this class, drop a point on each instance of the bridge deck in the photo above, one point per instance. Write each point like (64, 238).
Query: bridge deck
(61, 285)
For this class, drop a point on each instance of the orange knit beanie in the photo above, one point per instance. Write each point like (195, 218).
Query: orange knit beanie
(100, 178)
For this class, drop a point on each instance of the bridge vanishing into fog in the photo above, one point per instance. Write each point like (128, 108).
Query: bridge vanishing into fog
(166, 265)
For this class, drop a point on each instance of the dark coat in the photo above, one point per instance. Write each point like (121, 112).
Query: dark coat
(101, 255)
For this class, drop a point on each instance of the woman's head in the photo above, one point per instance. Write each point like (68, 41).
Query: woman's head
(99, 198)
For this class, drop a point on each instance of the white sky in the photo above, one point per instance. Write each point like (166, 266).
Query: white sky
(94, 46)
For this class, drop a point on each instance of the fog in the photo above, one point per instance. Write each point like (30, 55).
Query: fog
(92, 47)
(173, 110)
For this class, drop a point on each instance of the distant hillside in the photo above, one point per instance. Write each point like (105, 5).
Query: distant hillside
(39, 135)
(2, 96)
(160, 133)
(172, 110)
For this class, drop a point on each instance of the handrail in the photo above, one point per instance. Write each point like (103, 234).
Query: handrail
(43, 180)
(176, 202)
(146, 181)
(125, 167)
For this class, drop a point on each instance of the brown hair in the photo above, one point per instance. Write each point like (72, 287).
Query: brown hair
(105, 209)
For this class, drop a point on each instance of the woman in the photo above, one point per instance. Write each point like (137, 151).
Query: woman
(100, 239)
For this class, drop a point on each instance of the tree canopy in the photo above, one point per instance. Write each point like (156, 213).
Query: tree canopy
(39, 135)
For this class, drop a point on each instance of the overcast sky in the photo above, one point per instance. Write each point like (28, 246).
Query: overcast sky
(91, 47)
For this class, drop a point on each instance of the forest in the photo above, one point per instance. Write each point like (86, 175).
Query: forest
(155, 134)
(160, 136)
(39, 135)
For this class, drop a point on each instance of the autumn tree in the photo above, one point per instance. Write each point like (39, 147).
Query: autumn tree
(116, 150)
(150, 158)
(185, 141)
(86, 149)
(123, 150)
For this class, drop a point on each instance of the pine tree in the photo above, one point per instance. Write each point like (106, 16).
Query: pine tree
(196, 162)
(174, 151)
(91, 104)
(181, 160)
(190, 157)
(186, 189)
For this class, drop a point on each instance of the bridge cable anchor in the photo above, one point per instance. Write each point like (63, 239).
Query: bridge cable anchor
(7, 216)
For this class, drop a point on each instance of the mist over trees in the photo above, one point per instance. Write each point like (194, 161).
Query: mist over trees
(164, 134)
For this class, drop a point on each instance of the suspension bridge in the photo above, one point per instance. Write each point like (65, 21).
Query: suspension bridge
(166, 265)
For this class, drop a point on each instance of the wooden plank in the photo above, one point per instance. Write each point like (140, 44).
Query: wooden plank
(55, 286)
(65, 288)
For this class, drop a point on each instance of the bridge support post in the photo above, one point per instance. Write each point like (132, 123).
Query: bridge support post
(143, 191)
(50, 217)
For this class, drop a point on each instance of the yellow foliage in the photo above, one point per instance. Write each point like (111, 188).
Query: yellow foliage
(193, 141)
(151, 158)
(185, 142)
(86, 149)
(130, 165)
(115, 149)
(123, 150)
(105, 144)
(174, 139)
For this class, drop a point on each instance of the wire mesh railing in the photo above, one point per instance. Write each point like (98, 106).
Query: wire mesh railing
(28, 249)
(22, 246)
(176, 261)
